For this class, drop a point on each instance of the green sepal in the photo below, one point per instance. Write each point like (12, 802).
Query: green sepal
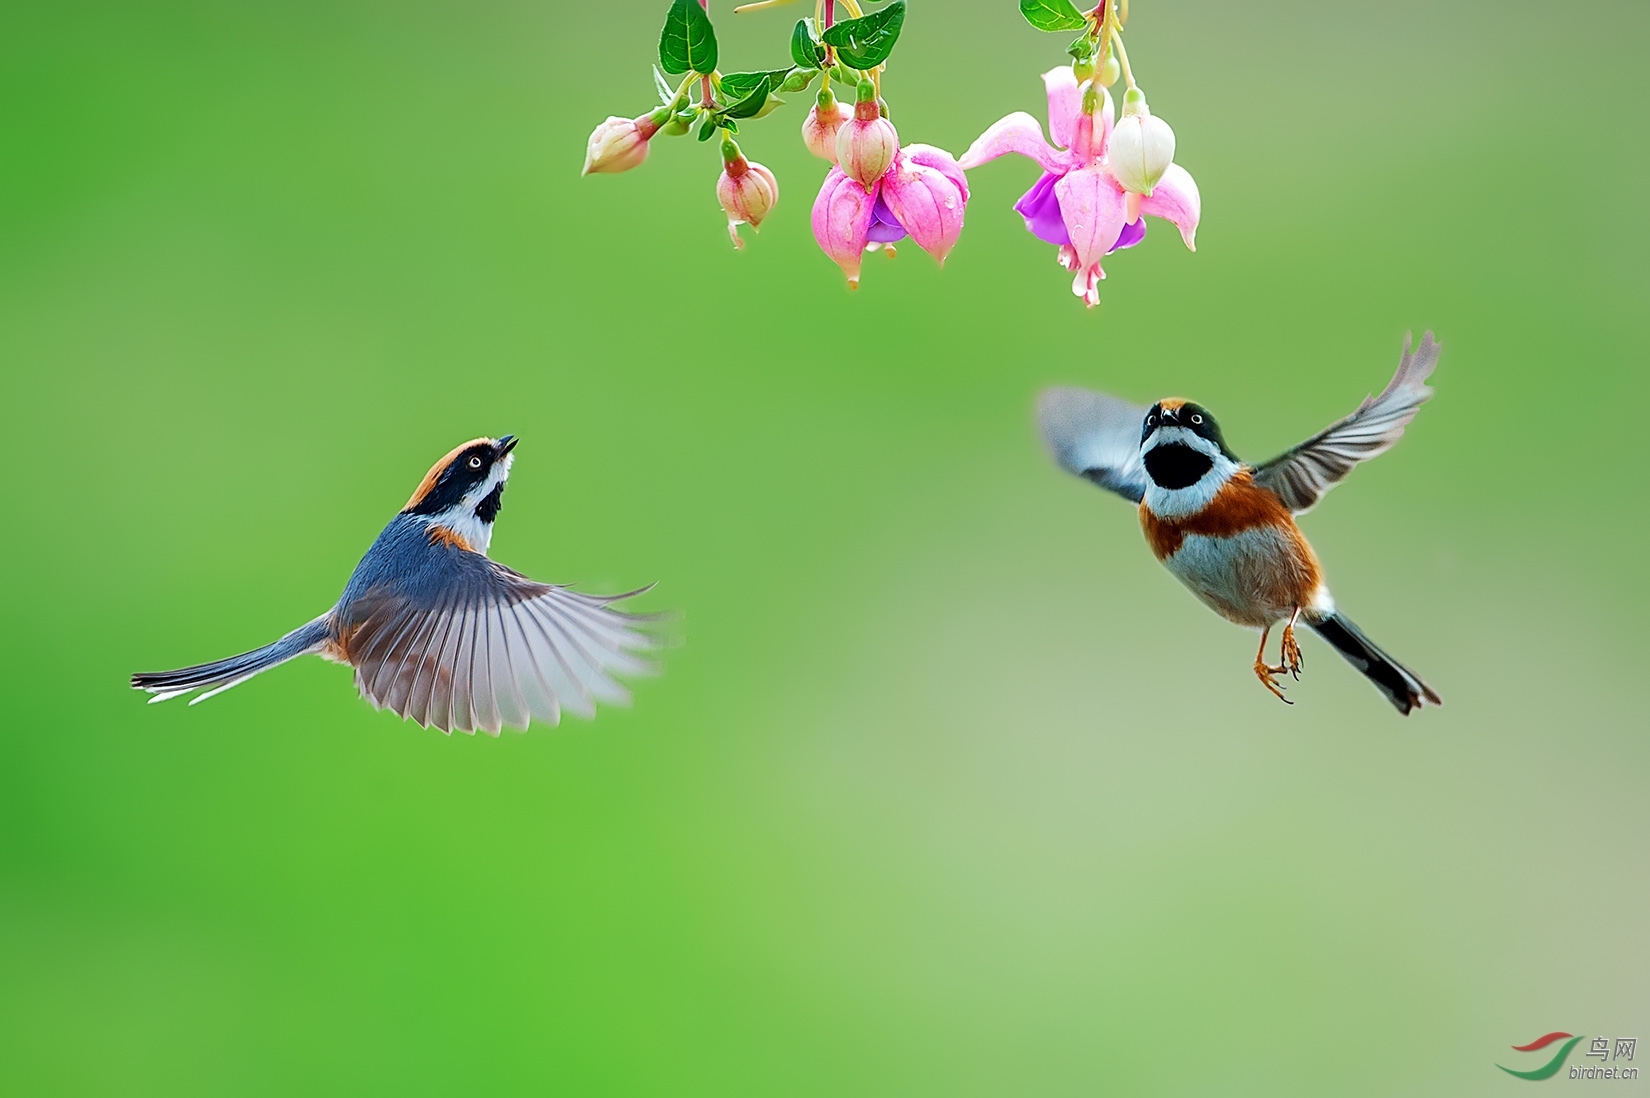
(1083, 49)
(805, 48)
(708, 128)
(688, 41)
(867, 41)
(1052, 15)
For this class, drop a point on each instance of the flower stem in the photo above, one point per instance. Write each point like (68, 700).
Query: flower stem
(1122, 56)
(679, 100)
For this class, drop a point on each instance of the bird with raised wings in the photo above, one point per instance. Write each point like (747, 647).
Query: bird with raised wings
(1226, 529)
(439, 633)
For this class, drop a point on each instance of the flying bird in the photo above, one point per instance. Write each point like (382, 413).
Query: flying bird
(1227, 529)
(439, 633)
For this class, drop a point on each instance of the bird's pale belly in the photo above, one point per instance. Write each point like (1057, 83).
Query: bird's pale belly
(1254, 577)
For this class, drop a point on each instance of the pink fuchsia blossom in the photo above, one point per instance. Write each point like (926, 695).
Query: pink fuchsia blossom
(824, 120)
(1079, 204)
(747, 191)
(926, 194)
(619, 144)
(923, 195)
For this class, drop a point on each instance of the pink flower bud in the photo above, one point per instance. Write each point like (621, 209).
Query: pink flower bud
(842, 222)
(618, 144)
(1141, 147)
(927, 194)
(747, 191)
(824, 120)
(867, 142)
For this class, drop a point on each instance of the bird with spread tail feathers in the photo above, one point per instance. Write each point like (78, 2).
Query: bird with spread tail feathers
(1226, 529)
(440, 634)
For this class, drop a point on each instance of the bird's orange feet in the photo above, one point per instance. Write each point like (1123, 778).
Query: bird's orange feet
(1291, 654)
(1268, 674)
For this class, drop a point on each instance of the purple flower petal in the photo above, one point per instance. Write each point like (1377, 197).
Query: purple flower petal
(1041, 209)
(885, 227)
(1133, 233)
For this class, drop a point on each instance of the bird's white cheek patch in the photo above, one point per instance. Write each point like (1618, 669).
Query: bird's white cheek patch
(463, 522)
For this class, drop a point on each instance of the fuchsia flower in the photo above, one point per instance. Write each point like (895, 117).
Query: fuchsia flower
(820, 128)
(1078, 203)
(747, 191)
(923, 195)
(867, 142)
(620, 144)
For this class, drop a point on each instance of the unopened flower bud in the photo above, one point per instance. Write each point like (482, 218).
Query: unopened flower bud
(677, 126)
(798, 80)
(1109, 70)
(820, 128)
(620, 144)
(746, 190)
(866, 143)
(1141, 147)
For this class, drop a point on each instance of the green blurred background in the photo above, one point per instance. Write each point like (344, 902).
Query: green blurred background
(950, 789)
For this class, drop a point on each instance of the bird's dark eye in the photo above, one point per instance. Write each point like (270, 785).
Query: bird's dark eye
(1196, 418)
(475, 462)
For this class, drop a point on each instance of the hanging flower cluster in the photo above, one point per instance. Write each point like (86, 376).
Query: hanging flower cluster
(1098, 177)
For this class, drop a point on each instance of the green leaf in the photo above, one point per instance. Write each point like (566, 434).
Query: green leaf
(737, 85)
(688, 42)
(666, 92)
(750, 104)
(805, 48)
(866, 42)
(1052, 15)
(708, 128)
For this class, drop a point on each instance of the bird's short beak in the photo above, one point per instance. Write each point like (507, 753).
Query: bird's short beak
(1167, 419)
(506, 444)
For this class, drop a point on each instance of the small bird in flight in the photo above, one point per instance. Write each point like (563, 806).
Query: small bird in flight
(1226, 529)
(442, 635)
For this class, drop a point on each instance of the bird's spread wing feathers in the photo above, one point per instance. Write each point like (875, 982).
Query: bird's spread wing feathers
(1095, 436)
(1301, 476)
(494, 648)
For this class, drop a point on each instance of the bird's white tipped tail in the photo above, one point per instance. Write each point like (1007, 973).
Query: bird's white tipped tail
(220, 675)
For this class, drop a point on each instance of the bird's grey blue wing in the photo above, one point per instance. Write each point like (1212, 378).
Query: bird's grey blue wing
(475, 645)
(1301, 476)
(1095, 436)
